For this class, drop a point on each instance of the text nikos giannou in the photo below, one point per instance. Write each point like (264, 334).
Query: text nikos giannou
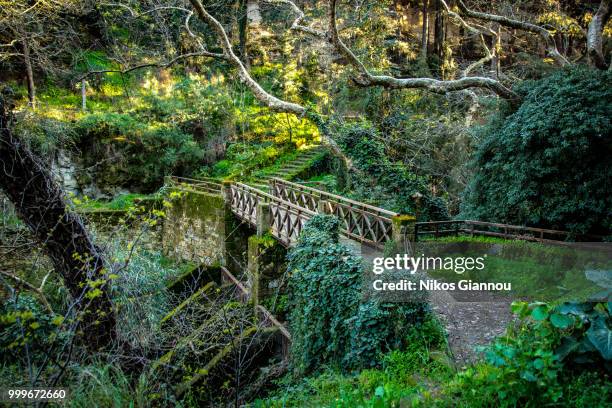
(413, 264)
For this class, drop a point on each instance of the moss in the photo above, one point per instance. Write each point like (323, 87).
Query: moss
(193, 298)
(403, 219)
(267, 240)
(238, 341)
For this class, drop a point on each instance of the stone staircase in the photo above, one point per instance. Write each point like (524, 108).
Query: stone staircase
(288, 170)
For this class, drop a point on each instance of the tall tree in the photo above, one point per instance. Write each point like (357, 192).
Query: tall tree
(40, 203)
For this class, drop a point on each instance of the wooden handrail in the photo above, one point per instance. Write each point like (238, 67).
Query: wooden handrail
(270, 197)
(335, 197)
(516, 231)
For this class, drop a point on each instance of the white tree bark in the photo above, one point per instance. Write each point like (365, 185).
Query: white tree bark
(594, 35)
(253, 12)
(549, 41)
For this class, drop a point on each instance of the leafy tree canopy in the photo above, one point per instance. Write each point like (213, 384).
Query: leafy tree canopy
(548, 164)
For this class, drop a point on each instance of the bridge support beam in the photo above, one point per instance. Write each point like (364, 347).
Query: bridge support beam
(266, 257)
(266, 267)
(264, 219)
(403, 232)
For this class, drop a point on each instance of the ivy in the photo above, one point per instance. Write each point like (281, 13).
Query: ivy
(377, 176)
(331, 324)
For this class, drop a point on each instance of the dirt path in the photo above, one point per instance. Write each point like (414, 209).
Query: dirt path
(469, 324)
(470, 319)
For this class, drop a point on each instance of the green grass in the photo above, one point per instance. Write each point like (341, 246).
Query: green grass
(536, 271)
(402, 376)
(120, 203)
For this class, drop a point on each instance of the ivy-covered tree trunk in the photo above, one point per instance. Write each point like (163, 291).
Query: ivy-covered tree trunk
(39, 203)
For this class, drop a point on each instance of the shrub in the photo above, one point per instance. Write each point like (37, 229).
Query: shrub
(543, 358)
(26, 329)
(142, 154)
(548, 163)
(377, 176)
(330, 323)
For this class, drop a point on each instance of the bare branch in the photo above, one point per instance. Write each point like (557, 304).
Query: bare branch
(433, 85)
(297, 23)
(29, 286)
(551, 46)
(594, 34)
(264, 97)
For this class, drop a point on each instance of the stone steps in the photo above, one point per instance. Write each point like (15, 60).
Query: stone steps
(288, 170)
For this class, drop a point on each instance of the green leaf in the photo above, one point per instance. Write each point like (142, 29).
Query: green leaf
(575, 308)
(560, 321)
(519, 308)
(538, 363)
(528, 375)
(568, 345)
(601, 336)
(540, 313)
(380, 391)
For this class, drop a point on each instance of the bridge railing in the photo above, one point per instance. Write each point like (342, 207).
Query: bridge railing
(437, 229)
(361, 222)
(205, 184)
(286, 219)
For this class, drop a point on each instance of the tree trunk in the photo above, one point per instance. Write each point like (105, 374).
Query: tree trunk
(243, 32)
(253, 13)
(496, 50)
(425, 29)
(439, 31)
(594, 35)
(83, 95)
(39, 202)
(29, 74)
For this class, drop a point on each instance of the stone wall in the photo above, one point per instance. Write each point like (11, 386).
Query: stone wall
(195, 228)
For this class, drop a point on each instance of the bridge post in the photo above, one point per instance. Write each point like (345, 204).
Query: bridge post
(403, 231)
(321, 206)
(265, 258)
(226, 191)
(264, 219)
(266, 265)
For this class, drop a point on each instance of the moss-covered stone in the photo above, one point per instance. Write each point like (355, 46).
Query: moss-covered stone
(266, 266)
(194, 228)
(211, 375)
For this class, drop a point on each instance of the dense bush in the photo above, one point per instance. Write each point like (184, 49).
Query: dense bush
(330, 323)
(548, 164)
(137, 154)
(377, 177)
(26, 328)
(543, 358)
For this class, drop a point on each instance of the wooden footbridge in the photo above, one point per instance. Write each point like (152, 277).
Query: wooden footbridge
(288, 206)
